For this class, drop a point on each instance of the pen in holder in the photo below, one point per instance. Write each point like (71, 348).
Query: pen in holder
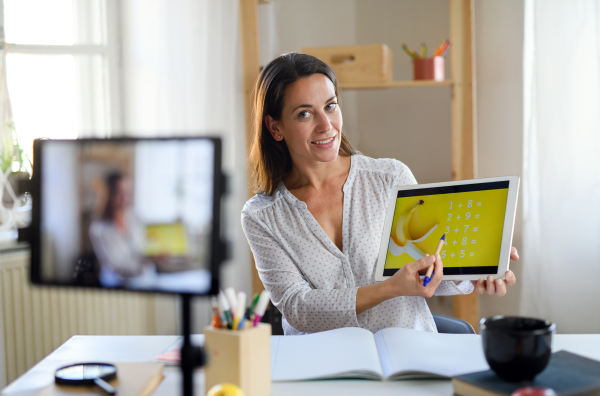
(240, 357)
(429, 68)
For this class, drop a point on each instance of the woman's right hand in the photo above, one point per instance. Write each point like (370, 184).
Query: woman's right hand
(407, 282)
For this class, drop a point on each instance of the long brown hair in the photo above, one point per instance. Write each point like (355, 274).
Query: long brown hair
(112, 181)
(270, 160)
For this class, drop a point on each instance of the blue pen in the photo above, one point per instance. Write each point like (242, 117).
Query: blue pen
(242, 322)
(430, 269)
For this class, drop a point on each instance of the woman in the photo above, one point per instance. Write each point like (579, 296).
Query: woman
(315, 225)
(118, 238)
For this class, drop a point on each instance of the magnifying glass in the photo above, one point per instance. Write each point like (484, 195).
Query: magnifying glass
(87, 374)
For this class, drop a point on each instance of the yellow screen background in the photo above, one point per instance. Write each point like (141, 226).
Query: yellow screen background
(472, 221)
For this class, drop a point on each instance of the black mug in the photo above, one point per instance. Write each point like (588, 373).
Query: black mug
(516, 348)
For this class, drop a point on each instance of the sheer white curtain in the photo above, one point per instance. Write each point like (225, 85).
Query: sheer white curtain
(182, 76)
(561, 176)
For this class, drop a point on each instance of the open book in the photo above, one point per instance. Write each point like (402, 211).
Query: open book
(390, 354)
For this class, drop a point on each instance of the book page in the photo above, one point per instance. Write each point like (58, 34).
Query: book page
(349, 352)
(410, 353)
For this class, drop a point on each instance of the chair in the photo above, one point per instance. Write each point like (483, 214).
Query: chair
(273, 317)
(444, 324)
(450, 325)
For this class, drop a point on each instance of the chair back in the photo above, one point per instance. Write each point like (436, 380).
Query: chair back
(450, 325)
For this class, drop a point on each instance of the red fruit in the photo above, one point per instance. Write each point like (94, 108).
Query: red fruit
(534, 391)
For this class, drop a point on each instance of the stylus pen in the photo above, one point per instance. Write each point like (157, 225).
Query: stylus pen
(430, 269)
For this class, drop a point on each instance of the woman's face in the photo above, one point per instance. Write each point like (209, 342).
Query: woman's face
(121, 195)
(311, 120)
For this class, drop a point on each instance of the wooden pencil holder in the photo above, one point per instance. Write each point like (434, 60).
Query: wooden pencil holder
(242, 358)
(429, 68)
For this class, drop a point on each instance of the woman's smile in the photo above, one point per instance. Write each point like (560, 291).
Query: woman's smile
(324, 143)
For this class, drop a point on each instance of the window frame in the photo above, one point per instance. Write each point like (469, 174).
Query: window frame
(111, 56)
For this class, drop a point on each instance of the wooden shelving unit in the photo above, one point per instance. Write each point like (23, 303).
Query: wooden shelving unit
(464, 160)
(397, 84)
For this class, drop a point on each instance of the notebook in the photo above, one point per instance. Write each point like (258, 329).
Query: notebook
(567, 374)
(389, 354)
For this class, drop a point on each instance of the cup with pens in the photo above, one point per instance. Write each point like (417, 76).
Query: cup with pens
(238, 345)
(431, 68)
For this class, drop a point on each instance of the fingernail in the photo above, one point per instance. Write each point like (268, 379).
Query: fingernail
(430, 259)
(498, 282)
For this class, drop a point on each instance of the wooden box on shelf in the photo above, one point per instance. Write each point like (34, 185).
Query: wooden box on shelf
(242, 358)
(356, 63)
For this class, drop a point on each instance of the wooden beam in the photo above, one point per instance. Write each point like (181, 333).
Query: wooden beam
(251, 69)
(397, 84)
(464, 135)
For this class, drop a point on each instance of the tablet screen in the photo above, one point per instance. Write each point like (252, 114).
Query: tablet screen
(471, 216)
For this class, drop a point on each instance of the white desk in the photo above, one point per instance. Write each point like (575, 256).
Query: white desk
(144, 348)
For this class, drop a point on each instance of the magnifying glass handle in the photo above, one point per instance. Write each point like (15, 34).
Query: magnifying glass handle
(106, 387)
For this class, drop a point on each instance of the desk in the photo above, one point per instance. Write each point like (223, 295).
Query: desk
(143, 348)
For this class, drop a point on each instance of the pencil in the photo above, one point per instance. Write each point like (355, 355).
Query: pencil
(439, 49)
(423, 51)
(411, 53)
(430, 269)
(446, 48)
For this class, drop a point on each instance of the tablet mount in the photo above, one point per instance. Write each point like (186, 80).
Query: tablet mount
(192, 356)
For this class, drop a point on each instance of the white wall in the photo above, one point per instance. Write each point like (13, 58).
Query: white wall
(412, 125)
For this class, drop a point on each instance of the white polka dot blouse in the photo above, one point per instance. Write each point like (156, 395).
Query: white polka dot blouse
(312, 282)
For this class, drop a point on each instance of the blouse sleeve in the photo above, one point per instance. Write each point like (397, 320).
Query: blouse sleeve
(304, 307)
(404, 176)
(449, 288)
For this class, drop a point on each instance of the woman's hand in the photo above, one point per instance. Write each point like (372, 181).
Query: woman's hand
(405, 282)
(497, 287)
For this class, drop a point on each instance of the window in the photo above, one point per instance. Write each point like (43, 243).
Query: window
(62, 68)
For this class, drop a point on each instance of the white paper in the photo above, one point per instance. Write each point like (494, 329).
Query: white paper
(411, 352)
(347, 352)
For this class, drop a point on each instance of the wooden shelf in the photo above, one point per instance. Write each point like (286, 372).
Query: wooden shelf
(397, 84)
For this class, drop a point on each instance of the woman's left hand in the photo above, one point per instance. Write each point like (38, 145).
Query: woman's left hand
(498, 286)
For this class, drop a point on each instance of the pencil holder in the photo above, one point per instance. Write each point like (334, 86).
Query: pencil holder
(429, 68)
(240, 357)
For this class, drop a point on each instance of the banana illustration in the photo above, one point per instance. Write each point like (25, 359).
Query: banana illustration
(403, 242)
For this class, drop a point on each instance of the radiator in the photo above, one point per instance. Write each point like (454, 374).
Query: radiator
(36, 320)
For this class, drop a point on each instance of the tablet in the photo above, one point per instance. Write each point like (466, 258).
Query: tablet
(476, 216)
